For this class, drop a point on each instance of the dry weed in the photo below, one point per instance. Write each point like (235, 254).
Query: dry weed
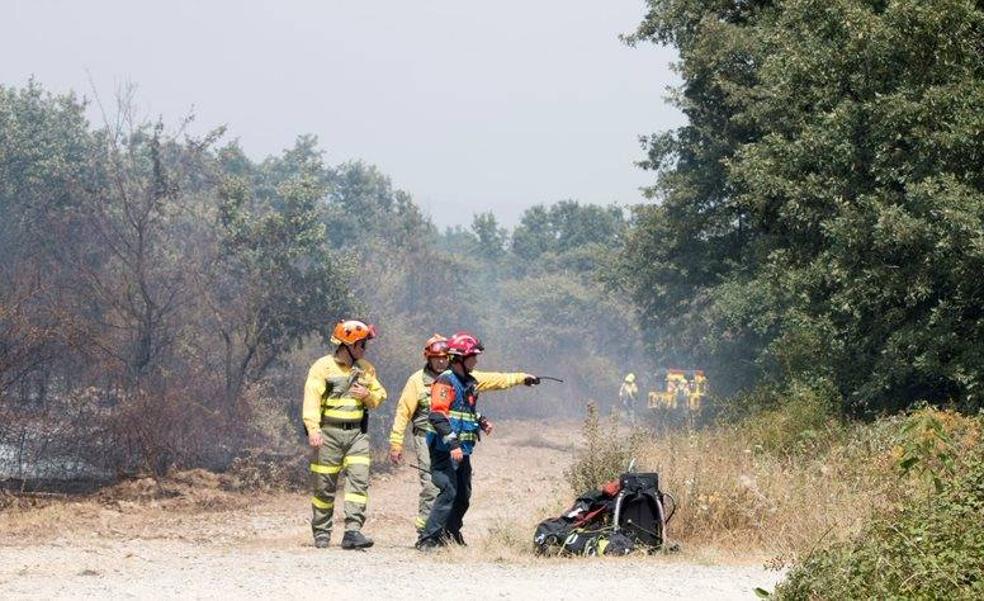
(256, 469)
(735, 495)
(781, 483)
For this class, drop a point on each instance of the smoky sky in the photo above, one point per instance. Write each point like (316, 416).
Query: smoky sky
(469, 106)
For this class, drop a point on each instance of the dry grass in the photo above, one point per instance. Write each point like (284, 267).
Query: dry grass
(131, 507)
(739, 500)
(735, 496)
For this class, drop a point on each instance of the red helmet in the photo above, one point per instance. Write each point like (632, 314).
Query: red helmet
(351, 331)
(464, 344)
(436, 346)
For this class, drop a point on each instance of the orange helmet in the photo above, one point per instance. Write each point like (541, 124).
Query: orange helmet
(436, 346)
(350, 331)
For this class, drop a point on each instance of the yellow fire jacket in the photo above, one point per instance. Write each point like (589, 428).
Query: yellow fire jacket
(416, 395)
(328, 369)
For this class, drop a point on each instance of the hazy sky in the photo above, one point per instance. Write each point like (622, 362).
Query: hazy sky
(468, 106)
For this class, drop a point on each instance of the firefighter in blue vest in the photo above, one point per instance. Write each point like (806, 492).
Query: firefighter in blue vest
(456, 423)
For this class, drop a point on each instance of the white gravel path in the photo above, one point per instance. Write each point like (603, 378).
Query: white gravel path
(253, 546)
(178, 570)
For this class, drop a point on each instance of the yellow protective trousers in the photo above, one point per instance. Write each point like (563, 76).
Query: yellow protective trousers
(344, 449)
(428, 490)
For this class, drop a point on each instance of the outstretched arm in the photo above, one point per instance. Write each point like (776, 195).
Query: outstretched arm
(492, 380)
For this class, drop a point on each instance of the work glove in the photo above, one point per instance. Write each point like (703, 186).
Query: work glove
(531, 380)
(485, 425)
(451, 440)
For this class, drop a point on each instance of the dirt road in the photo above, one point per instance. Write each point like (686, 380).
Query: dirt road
(218, 545)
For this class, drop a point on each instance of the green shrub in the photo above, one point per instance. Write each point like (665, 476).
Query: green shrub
(933, 548)
(928, 447)
(804, 418)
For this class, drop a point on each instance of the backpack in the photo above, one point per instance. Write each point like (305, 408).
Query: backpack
(640, 511)
(624, 514)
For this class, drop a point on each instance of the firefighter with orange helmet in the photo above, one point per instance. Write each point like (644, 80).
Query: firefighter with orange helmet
(340, 388)
(455, 425)
(413, 409)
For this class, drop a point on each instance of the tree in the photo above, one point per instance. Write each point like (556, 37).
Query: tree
(566, 227)
(44, 152)
(275, 282)
(819, 213)
(491, 238)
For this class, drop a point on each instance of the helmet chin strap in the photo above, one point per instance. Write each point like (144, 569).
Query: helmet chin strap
(344, 347)
(460, 362)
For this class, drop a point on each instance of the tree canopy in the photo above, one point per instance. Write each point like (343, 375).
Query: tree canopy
(819, 218)
(186, 287)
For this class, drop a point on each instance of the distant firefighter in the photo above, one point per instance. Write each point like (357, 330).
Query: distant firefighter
(627, 396)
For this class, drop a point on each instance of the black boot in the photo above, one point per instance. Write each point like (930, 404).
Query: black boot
(321, 542)
(354, 539)
(428, 544)
(458, 539)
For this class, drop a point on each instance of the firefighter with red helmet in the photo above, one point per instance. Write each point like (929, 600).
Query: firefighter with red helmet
(413, 409)
(456, 423)
(340, 388)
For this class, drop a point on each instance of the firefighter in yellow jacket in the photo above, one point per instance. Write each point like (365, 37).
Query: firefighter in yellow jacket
(340, 388)
(414, 407)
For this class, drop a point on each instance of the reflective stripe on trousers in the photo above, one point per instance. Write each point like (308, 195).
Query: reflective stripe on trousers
(342, 450)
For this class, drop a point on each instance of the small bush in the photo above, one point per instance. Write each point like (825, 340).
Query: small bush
(802, 419)
(932, 549)
(606, 455)
(932, 443)
(263, 470)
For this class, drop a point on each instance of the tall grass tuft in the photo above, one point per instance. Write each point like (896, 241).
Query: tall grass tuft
(606, 453)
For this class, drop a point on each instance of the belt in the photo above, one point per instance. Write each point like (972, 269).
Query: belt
(342, 426)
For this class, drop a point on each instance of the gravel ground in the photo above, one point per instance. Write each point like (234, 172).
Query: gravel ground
(159, 570)
(218, 545)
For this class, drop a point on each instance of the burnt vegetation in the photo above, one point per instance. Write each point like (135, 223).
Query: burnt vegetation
(163, 294)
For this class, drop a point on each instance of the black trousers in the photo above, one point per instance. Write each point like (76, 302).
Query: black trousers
(454, 483)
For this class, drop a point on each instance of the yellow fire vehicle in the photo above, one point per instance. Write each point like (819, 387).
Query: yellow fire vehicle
(678, 389)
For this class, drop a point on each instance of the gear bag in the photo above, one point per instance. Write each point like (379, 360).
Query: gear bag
(588, 542)
(639, 509)
(624, 514)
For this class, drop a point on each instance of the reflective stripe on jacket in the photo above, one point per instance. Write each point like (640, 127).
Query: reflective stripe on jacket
(454, 402)
(326, 398)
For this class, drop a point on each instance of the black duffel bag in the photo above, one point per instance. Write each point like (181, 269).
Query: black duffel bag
(624, 514)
